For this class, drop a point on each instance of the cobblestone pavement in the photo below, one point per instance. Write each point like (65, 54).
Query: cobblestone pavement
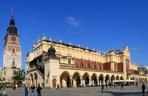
(87, 91)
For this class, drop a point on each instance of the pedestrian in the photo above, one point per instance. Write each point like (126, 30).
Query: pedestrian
(26, 91)
(58, 90)
(4, 92)
(58, 87)
(114, 84)
(14, 87)
(122, 85)
(143, 89)
(32, 92)
(39, 90)
(102, 88)
(110, 84)
(106, 83)
(137, 84)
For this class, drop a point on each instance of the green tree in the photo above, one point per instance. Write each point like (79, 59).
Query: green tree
(19, 76)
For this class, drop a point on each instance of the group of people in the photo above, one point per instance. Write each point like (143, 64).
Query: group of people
(37, 90)
(33, 92)
(3, 90)
(143, 87)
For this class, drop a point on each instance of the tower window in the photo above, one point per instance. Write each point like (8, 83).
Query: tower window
(13, 63)
(13, 50)
(14, 71)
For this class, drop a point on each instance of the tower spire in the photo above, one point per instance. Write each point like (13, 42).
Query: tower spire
(12, 30)
(12, 21)
(12, 12)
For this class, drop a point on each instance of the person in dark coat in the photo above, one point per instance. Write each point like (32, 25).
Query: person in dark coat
(102, 88)
(58, 87)
(39, 90)
(26, 91)
(143, 89)
(122, 85)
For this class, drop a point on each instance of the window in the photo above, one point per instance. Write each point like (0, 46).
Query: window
(14, 71)
(13, 63)
(13, 50)
(69, 61)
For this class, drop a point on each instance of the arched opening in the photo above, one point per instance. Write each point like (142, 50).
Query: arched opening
(65, 80)
(94, 79)
(36, 79)
(117, 77)
(121, 78)
(107, 79)
(76, 79)
(86, 79)
(54, 83)
(112, 78)
(101, 78)
(13, 50)
(132, 78)
(32, 80)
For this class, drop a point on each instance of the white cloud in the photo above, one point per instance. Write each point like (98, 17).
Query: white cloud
(72, 21)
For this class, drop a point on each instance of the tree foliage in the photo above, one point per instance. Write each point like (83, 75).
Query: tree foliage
(19, 76)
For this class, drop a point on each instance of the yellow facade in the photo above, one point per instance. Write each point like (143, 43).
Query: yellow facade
(133, 66)
(75, 66)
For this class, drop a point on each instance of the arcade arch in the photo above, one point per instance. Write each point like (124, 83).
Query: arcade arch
(86, 79)
(112, 78)
(94, 79)
(117, 77)
(36, 79)
(121, 78)
(32, 79)
(65, 79)
(101, 79)
(76, 79)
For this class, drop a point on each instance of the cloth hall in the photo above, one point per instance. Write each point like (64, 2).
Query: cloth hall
(51, 63)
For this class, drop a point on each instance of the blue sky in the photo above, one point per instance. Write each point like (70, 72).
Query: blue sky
(98, 24)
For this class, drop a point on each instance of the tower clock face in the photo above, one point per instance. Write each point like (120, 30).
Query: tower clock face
(13, 38)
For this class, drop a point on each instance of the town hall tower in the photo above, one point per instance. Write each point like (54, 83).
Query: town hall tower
(12, 56)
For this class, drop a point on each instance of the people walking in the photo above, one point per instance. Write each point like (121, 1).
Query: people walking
(106, 83)
(58, 87)
(143, 89)
(4, 92)
(58, 90)
(102, 88)
(122, 85)
(110, 84)
(32, 91)
(137, 84)
(26, 91)
(39, 90)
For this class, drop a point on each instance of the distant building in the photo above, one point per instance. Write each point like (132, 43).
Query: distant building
(51, 63)
(138, 73)
(143, 70)
(143, 73)
(12, 56)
